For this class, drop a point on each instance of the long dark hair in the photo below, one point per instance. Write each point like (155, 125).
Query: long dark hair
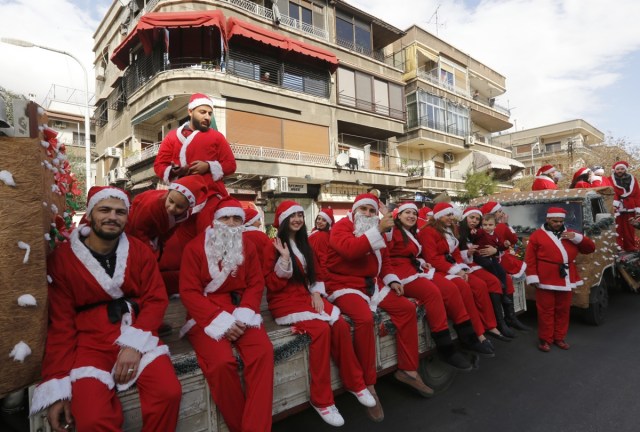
(302, 242)
(413, 230)
(584, 177)
(464, 232)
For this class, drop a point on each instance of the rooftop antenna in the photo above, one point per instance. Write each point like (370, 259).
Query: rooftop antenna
(434, 17)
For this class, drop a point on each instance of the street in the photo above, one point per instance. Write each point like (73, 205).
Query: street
(593, 387)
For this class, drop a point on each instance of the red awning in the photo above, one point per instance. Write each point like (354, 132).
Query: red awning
(236, 27)
(145, 31)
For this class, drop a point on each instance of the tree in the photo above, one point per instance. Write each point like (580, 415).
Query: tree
(478, 184)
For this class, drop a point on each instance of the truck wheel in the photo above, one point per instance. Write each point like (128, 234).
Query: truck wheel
(598, 304)
(436, 374)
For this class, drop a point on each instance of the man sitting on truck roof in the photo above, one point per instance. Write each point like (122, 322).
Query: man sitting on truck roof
(547, 177)
(106, 300)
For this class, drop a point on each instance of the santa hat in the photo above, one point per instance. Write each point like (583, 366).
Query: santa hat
(425, 212)
(490, 208)
(556, 212)
(621, 164)
(442, 209)
(284, 210)
(471, 210)
(546, 169)
(193, 188)
(364, 199)
(327, 214)
(407, 206)
(251, 215)
(598, 170)
(99, 193)
(580, 172)
(229, 206)
(199, 99)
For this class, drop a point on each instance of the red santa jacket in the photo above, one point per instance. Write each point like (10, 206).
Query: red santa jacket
(353, 259)
(264, 246)
(148, 219)
(405, 257)
(626, 200)
(206, 288)
(441, 251)
(543, 182)
(81, 340)
(508, 261)
(546, 254)
(598, 181)
(210, 146)
(319, 242)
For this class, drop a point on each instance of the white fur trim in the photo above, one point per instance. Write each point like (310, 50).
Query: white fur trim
(308, 316)
(106, 193)
(252, 220)
(50, 392)
(110, 285)
(282, 271)
(556, 215)
(375, 239)
(616, 203)
(166, 174)
(199, 102)
(219, 325)
(557, 287)
(186, 327)
(140, 340)
(364, 201)
(343, 291)
(318, 287)
(377, 298)
(523, 268)
(92, 372)
(457, 268)
(216, 170)
(288, 212)
(532, 279)
(185, 143)
(390, 278)
(325, 216)
(577, 239)
(407, 206)
(184, 191)
(145, 361)
(229, 211)
(444, 212)
(549, 171)
(620, 165)
(247, 316)
(496, 208)
(470, 212)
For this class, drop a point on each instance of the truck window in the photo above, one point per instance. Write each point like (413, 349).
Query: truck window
(597, 206)
(526, 218)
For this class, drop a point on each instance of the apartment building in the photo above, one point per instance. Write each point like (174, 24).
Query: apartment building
(453, 109)
(564, 145)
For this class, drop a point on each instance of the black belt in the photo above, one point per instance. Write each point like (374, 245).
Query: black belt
(115, 308)
(370, 286)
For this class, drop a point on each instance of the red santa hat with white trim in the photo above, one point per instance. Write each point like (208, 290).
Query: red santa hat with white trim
(471, 210)
(407, 205)
(198, 99)
(624, 164)
(194, 190)
(581, 171)
(286, 209)
(490, 207)
(546, 169)
(364, 199)
(442, 209)
(97, 194)
(425, 212)
(556, 212)
(326, 213)
(252, 215)
(229, 206)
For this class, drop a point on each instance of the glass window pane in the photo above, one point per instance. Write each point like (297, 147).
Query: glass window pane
(364, 96)
(395, 101)
(346, 87)
(363, 40)
(344, 31)
(306, 15)
(381, 97)
(294, 11)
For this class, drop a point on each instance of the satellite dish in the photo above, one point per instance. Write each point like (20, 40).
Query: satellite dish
(342, 159)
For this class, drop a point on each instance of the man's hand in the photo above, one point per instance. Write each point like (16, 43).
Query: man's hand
(59, 416)
(397, 287)
(487, 251)
(178, 171)
(235, 331)
(463, 274)
(316, 302)
(386, 223)
(127, 365)
(199, 167)
(569, 235)
(507, 244)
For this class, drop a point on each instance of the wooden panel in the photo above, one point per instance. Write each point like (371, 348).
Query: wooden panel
(306, 137)
(254, 129)
(376, 162)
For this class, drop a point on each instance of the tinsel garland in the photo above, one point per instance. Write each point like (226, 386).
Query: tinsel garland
(631, 264)
(597, 228)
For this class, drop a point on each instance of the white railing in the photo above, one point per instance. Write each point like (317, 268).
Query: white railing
(148, 7)
(143, 155)
(432, 77)
(242, 151)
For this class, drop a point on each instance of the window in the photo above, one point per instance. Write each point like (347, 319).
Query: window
(427, 110)
(353, 34)
(363, 91)
(300, 13)
(553, 147)
(523, 148)
(439, 169)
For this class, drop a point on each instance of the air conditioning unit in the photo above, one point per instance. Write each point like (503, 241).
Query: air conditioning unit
(470, 140)
(121, 174)
(114, 152)
(449, 157)
(284, 184)
(270, 185)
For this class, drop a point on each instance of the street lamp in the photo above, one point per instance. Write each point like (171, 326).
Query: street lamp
(87, 131)
(534, 145)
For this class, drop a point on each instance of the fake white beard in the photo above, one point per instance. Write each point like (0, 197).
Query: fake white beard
(364, 223)
(226, 245)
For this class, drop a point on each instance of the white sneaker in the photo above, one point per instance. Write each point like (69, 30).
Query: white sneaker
(330, 414)
(365, 397)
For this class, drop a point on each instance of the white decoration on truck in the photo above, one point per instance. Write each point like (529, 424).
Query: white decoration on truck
(7, 178)
(27, 300)
(20, 352)
(24, 246)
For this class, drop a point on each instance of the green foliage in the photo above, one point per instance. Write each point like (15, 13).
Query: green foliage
(478, 184)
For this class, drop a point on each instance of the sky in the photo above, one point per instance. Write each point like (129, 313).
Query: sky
(562, 59)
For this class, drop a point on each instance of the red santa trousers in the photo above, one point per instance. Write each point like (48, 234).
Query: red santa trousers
(468, 293)
(452, 298)
(553, 314)
(626, 232)
(429, 295)
(480, 281)
(243, 411)
(403, 316)
(335, 340)
(95, 407)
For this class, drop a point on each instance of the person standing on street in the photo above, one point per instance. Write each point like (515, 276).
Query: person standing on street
(106, 300)
(626, 205)
(551, 268)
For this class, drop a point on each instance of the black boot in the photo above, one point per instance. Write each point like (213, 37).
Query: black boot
(496, 301)
(510, 314)
(469, 340)
(449, 352)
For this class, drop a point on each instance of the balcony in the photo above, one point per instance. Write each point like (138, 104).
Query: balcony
(250, 152)
(426, 122)
(352, 46)
(142, 155)
(370, 107)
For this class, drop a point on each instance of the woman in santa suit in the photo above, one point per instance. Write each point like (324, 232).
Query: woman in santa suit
(440, 248)
(581, 179)
(440, 297)
(319, 239)
(297, 298)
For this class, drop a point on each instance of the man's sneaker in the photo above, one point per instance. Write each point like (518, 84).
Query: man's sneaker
(330, 415)
(561, 344)
(544, 346)
(365, 397)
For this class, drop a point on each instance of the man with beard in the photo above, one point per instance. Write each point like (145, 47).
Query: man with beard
(360, 280)
(195, 148)
(547, 177)
(221, 290)
(626, 205)
(106, 300)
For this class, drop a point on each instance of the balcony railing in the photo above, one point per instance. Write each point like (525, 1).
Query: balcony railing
(371, 107)
(243, 151)
(433, 78)
(427, 122)
(143, 155)
(352, 46)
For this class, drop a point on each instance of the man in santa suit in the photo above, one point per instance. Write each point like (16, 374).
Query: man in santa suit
(221, 291)
(509, 262)
(360, 280)
(547, 177)
(195, 148)
(319, 240)
(626, 205)
(156, 214)
(106, 300)
(598, 179)
(551, 254)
